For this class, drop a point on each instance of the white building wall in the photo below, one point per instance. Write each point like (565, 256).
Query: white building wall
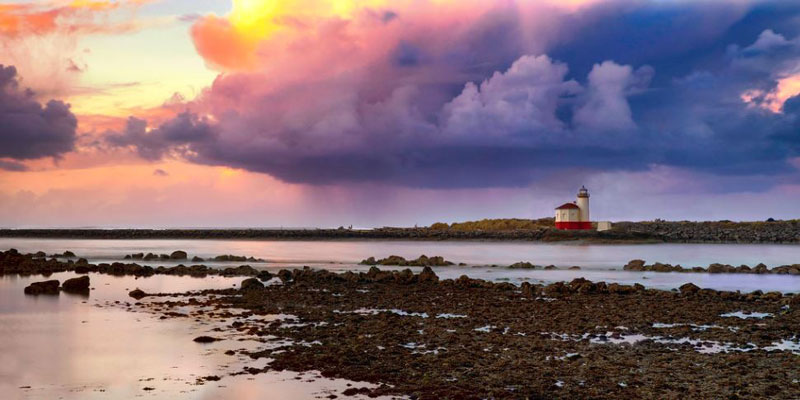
(583, 203)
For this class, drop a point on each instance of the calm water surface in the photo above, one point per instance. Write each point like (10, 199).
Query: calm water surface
(597, 262)
(69, 347)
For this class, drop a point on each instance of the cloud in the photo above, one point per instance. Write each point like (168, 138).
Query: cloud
(40, 18)
(13, 166)
(28, 129)
(606, 107)
(503, 94)
(522, 99)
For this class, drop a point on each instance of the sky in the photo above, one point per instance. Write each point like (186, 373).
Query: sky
(326, 113)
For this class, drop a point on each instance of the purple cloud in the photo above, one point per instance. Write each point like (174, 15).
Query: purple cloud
(29, 130)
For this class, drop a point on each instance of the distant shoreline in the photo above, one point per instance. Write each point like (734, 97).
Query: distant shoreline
(778, 232)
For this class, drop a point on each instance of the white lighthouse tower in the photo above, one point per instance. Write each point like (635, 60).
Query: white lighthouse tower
(575, 215)
(583, 203)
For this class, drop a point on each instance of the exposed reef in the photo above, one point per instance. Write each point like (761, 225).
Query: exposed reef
(419, 336)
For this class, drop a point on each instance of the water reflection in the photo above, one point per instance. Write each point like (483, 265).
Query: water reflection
(69, 347)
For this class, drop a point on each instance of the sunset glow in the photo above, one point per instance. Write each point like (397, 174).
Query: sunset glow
(345, 98)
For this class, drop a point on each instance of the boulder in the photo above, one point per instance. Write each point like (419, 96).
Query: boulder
(205, 339)
(251, 284)
(427, 275)
(137, 294)
(689, 288)
(76, 285)
(634, 265)
(178, 255)
(197, 259)
(264, 276)
(369, 261)
(46, 287)
(522, 265)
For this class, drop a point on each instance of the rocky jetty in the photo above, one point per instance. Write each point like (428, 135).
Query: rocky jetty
(638, 232)
(421, 261)
(716, 268)
(418, 336)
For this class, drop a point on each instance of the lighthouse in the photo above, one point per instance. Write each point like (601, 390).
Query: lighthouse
(575, 215)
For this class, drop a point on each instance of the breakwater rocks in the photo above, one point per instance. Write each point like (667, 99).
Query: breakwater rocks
(715, 231)
(422, 261)
(14, 262)
(622, 232)
(639, 265)
(424, 337)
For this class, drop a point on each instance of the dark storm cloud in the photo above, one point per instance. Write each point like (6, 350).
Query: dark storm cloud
(626, 86)
(29, 130)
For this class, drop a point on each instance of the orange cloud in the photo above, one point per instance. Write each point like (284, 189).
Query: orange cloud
(74, 16)
(773, 100)
(221, 45)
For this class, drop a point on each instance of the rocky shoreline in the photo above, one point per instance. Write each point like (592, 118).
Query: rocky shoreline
(419, 336)
(623, 232)
(426, 338)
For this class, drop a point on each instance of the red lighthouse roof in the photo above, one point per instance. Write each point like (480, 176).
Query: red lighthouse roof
(567, 206)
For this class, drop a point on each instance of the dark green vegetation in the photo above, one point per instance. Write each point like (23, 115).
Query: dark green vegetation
(497, 229)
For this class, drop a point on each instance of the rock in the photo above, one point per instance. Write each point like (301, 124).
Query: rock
(574, 268)
(772, 296)
(427, 275)
(550, 267)
(251, 284)
(369, 261)
(137, 294)
(688, 288)
(205, 339)
(634, 265)
(285, 275)
(40, 254)
(616, 288)
(522, 265)
(82, 269)
(77, 285)
(761, 269)
(178, 255)
(69, 254)
(264, 276)
(46, 287)
(197, 259)
(242, 270)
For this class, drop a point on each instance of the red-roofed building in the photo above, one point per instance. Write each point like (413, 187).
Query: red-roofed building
(574, 215)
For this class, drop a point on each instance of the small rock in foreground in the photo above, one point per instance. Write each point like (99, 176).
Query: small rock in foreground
(46, 287)
(77, 285)
(205, 339)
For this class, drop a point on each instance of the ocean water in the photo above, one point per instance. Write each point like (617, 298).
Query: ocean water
(76, 347)
(597, 262)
